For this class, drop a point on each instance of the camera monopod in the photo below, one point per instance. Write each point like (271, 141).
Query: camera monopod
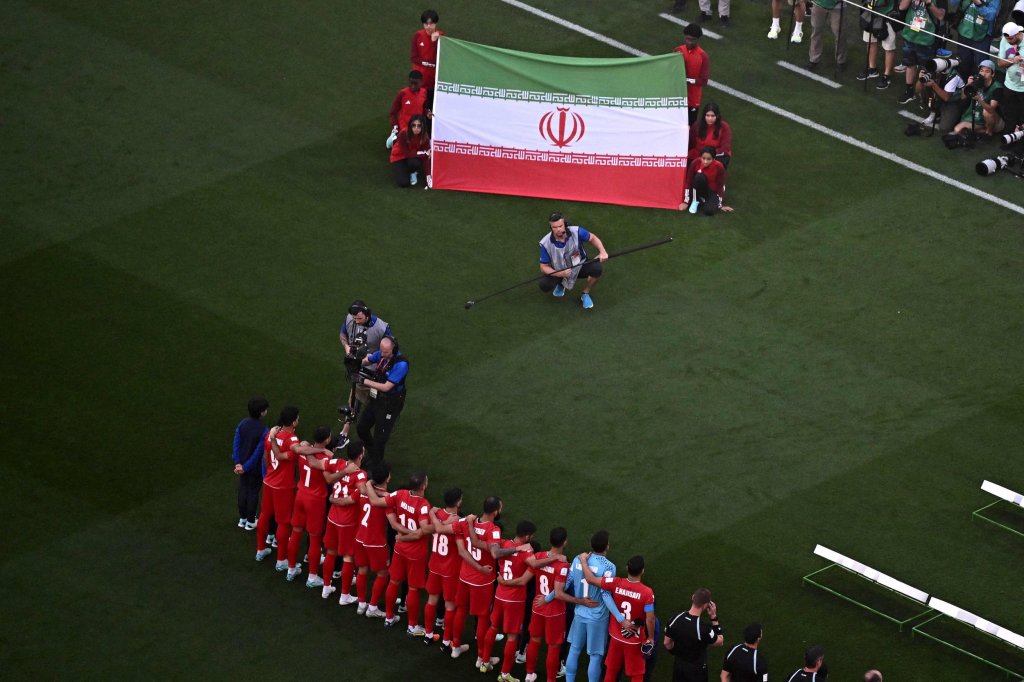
(634, 249)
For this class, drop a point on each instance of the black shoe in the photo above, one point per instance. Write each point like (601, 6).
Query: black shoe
(866, 74)
(906, 98)
(724, 20)
(813, 66)
(883, 83)
(445, 649)
(678, 7)
(704, 16)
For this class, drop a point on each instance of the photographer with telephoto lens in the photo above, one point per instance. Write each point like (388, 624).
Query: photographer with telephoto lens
(983, 92)
(922, 19)
(360, 335)
(940, 84)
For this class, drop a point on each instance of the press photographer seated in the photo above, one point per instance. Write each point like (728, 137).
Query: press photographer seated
(939, 85)
(982, 93)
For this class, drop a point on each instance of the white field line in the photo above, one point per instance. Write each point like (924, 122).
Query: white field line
(912, 116)
(809, 74)
(835, 134)
(684, 23)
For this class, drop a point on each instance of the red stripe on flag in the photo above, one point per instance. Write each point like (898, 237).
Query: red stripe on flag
(625, 186)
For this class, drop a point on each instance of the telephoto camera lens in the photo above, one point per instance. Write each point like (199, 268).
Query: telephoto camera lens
(1010, 138)
(992, 166)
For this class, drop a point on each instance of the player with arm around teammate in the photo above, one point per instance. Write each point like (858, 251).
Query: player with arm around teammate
(343, 475)
(444, 566)
(310, 511)
(634, 632)
(371, 541)
(278, 486)
(590, 623)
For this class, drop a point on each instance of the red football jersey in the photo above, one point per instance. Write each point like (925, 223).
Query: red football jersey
(373, 522)
(280, 473)
(406, 105)
(346, 486)
(631, 598)
(412, 512)
(491, 535)
(444, 557)
(311, 481)
(423, 49)
(512, 567)
(545, 580)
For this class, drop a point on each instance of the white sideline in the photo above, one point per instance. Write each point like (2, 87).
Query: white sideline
(807, 73)
(912, 116)
(978, 622)
(684, 23)
(871, 574)
(1003, 493)
(835, 134)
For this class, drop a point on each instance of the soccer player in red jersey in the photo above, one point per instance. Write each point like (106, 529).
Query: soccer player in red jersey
(445, 564)
(310, 511)
(548, 619)
(372, 542)
(408, 511)
(278, 486)
(423, 51)
(514, 572)
(633, 598)
(345, 477)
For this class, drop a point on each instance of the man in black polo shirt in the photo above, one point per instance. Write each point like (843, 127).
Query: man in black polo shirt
(814, 669)
(687, 638)
(744, 663)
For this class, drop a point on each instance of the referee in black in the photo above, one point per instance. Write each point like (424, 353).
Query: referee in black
(744, 663)
(687, 638)
(814, 669)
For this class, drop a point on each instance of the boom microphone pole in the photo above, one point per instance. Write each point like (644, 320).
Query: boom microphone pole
(634, 249)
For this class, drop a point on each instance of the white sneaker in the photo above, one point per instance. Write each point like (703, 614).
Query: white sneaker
(561, 671)
(401, 608)
(273, 543)
(459, 650)
(374, 612)
(345, 599)
(293, 573)
(507, 677)
(414, 177)
(774, 32)
(314, 581)
(438, 623)
(281, 565)
(327, 591)
(532, 677)
(797, 37)
(499, 637)
(521, 657)
(241, 523)
(361, 609)
(335, 575)
(250, 525)
(263, 554)
(391, 622)
(271, 539)
(430, 182)
(416, 631)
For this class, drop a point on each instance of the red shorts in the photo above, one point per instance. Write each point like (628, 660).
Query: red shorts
(309, 513)
(374, 557)
(551, 628)
(445, 585)
(476, 598)
(347, 540)
(508, 616)
(403, 569)
(619, 652)
(279, 502)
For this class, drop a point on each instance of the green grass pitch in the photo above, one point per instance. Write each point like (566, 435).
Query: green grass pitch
(194, 192)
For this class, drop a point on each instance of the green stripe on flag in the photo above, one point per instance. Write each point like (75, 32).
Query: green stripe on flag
(463, 63)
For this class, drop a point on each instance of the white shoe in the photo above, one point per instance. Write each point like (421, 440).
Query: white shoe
(314, 581)
(241, 523)
(774, 32)
(438, 623)
(797, 37)
(416, 631)
(374, 612)
(561, 671)
(532, 677)
(293, 573)
(401, 606)
(273, 543)
(345, 599)
(391, 622)
(361, 609)
(414, 177)
(521, 657)
(263, 554)
(459, 650)
(250, 525)
(499, 637)
(507, 677)
(335, 575)
(281, 565)
(327, 591)
(271, 539)
(430, 182)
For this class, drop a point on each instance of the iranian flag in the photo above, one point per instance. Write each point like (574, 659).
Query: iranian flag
(606, 130)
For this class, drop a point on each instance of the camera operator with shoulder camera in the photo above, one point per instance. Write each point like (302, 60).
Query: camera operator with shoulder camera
(383, 375)
(940, 84)
(360, 335)
(983, 92)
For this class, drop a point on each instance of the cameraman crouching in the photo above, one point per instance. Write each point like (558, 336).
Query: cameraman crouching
(982, 92)
(942, 90)
(386, 386)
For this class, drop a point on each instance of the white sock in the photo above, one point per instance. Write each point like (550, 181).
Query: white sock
(775, 24)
